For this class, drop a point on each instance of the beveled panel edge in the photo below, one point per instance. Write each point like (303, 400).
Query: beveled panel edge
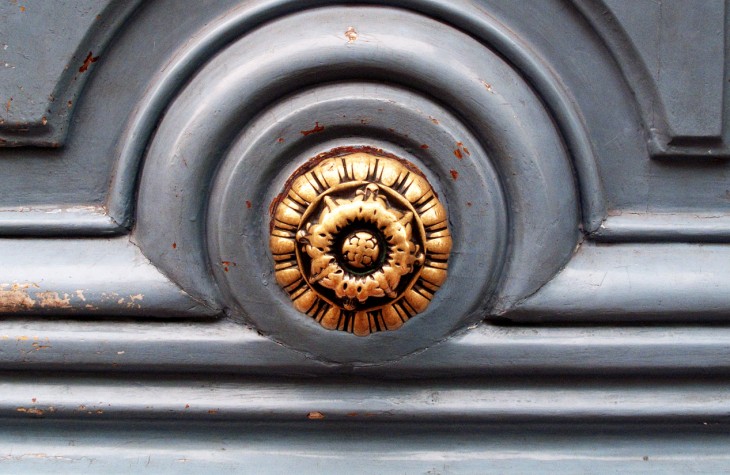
(51, 130)
(663, 143)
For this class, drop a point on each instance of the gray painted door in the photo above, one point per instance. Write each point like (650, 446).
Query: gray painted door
(579, 148)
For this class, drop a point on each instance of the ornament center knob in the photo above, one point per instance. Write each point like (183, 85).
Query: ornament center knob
(361, 250)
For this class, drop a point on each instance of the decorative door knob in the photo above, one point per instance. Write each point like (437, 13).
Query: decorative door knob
(360, 241)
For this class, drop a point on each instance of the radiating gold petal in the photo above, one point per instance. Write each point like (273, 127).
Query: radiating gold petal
(331, 318)
(362, 324)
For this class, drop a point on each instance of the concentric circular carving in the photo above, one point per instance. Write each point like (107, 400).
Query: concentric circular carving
(360, 242)
(405, 87)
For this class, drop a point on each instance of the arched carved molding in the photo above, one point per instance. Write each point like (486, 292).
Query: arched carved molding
(264, 105)
(607, 183)
(470, 18)
(49, 126)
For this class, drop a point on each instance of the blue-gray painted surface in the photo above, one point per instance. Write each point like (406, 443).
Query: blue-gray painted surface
(584, 323)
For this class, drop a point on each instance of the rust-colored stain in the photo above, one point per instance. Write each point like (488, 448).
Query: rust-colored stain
(424, 146)
(468, 203)
(434, 120)
(187, 406)
(315, 416)
(454, 174)
(227, 264)
(213, 412)
(53, 300)
(8, 104)
(248, 204)
(90, 58)
(34, 411)
(317, 128)
(69, 103)
(22, 9)
(460, 150)
(275, 202)
(174, 245)
(15, 297)
(280, 140)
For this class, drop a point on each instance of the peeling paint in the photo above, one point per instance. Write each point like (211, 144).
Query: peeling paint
(37, 346)
(351, 34)
(15, 297)
(34, 411)
(53, 300)
(487, 86)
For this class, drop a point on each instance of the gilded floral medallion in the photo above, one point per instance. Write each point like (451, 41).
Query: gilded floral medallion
(360, 242)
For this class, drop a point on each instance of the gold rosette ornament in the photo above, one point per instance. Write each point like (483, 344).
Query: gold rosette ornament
(360, 242)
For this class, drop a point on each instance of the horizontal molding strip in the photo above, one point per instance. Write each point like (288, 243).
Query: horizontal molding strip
(59, 221)
(665, 227)
(228, 347)
(438, 401)
(90, 279)
(96, 279)
(319, 446)
(612, 283)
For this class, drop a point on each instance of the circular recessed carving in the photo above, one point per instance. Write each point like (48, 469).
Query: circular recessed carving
(254, 114)
(360, 242)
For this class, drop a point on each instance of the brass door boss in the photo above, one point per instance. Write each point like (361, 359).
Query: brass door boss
(360, 242)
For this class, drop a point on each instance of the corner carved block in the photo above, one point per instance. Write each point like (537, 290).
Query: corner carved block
(360, 242)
